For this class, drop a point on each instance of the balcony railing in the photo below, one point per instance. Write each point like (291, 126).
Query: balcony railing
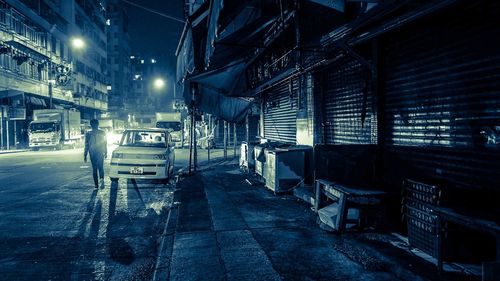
(10, 20)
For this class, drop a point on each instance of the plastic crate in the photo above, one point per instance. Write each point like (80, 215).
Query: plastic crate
(422, 192)
(423, 235)
(419, 201)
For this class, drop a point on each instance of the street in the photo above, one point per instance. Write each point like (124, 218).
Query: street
(56, 226)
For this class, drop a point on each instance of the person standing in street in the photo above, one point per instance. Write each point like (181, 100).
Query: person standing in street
(96, 145)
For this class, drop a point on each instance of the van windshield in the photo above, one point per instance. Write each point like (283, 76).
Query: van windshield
(144, 139)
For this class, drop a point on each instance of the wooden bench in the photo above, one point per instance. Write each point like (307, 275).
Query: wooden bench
(448, 215)
(343, 195)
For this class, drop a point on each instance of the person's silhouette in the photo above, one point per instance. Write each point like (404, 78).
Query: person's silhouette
(96, 145)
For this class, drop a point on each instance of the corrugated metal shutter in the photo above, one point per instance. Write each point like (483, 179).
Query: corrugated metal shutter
(280, 112)
(442, 88)
(347, 83)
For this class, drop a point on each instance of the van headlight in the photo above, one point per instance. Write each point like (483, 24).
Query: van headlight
(117, 155)
(160, 157)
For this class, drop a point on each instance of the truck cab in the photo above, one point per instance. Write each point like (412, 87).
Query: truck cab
(54, 128)
(44, 133)
(174, 128)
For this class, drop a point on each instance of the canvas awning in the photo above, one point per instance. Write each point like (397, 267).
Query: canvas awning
(215, 91)
(236, 38)
(231, 109)
(226, 80)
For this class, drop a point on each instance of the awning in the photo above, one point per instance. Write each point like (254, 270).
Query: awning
(225, 80)
(185, 54)
(215, 89)
(230, 109)
(36, 101)
(236, 38)
(185, 62)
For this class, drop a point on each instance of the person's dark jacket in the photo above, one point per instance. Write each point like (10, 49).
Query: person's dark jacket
(95, 143)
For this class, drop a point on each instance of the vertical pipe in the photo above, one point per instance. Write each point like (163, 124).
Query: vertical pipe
(247, 139)
(182, 129)
(15, 134)
(7, 134)
(225, 140)
(1, 128)
(50, 94)
(234, 140)
(195, 145)
(191, 138)
(209, 135)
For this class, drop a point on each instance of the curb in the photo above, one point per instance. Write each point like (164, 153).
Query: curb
(161, 270)
(13, 151)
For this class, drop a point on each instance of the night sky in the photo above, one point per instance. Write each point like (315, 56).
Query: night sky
(154, 35)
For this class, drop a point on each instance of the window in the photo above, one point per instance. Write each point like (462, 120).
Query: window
(144, 139)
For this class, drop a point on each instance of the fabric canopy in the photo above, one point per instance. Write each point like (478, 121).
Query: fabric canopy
(215, 89)
(230, 109)
(226, 80)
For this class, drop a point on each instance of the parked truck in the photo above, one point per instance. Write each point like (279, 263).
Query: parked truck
(172, 121)
(55, 128)
(114, 129)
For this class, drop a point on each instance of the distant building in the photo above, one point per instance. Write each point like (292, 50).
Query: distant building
(146, 98)
(36, 48)
(119, 65)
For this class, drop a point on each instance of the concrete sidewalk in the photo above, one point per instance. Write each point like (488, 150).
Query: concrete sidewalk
(13, 151)
(225, 229)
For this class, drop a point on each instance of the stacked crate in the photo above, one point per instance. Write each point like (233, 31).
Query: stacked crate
(419, 201)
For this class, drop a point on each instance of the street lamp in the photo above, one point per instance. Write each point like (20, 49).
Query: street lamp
(77, 43)
(159, 83)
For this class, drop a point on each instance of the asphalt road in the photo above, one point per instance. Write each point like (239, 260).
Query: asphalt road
(55, 226)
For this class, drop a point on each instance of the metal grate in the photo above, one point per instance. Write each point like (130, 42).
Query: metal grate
(442, 88)
(345, 91)
(280, 112)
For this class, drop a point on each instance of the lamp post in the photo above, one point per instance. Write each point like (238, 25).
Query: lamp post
(51, 85)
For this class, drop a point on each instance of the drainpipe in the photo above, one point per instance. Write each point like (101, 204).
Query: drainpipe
(234, 140)
(1, 128)
(225, 139)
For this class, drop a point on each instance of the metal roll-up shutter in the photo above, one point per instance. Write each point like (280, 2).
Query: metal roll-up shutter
(442, 89)
(347, 86)
(280, 112)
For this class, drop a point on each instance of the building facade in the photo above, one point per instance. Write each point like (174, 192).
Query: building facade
(42, 68)
(148, 97)
(119, 64)
(380, 91)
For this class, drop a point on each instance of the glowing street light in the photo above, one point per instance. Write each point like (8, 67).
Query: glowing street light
(159, 83)
(77, 43)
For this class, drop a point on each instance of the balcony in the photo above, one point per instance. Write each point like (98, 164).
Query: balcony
(12, 21)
